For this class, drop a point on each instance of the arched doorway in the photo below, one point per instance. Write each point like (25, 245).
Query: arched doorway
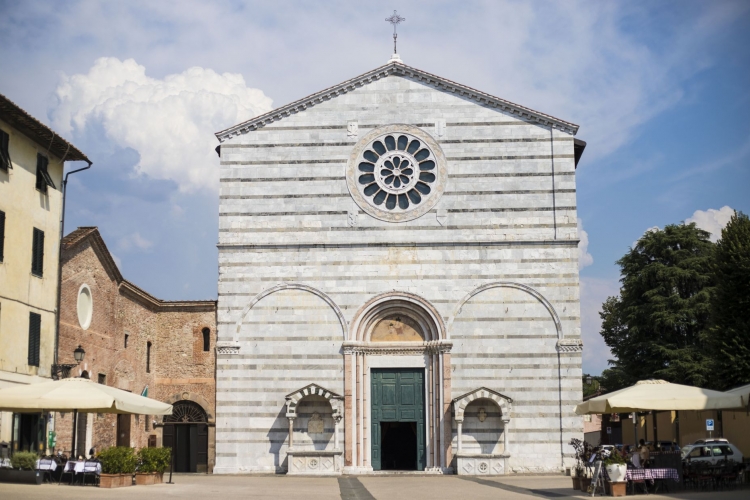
(394, 367)
(186, 432)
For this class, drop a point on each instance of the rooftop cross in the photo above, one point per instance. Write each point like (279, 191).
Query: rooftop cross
(394, 20)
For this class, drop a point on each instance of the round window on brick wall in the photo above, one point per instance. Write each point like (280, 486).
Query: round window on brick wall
(396, 173)
(85, 306)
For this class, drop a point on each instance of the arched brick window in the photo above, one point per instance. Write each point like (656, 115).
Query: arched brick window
(206, 339)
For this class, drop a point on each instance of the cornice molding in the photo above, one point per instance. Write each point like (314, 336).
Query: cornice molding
(399, 69)
(569, 345)
(397, 348)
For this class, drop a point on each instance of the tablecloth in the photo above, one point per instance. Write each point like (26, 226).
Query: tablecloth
(46, 465)
(77, 466)
(651, 474)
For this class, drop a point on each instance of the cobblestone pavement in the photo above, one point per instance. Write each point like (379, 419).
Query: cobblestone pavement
(379, 487)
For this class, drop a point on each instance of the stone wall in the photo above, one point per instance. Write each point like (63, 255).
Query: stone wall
(179, 368)
(286, 216)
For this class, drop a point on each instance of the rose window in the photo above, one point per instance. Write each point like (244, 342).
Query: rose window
(396, 172)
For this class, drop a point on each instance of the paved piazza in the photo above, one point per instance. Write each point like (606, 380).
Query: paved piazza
(385, 487)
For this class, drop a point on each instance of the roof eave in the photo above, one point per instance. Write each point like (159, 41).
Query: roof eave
(39, 132)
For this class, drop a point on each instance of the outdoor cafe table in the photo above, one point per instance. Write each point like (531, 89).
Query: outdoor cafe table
(648, 474)
(77, 466)
(49, 465)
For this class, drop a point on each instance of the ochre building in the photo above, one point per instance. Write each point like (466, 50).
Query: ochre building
(138, 343)
(398, 283)
(32, 158)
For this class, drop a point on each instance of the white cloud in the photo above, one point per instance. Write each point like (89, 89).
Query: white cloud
(134, 240)
(584, 257)
(170, 121)
(712, 220)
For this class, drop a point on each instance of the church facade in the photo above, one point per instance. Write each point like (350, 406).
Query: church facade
(398, 283)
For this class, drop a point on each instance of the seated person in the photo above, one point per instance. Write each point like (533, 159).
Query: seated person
(643, 451)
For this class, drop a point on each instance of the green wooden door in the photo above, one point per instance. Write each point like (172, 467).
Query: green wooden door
(397, 395)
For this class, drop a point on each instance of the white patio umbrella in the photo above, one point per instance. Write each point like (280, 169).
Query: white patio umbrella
(659, 395)
(78, 394)
(744, 392)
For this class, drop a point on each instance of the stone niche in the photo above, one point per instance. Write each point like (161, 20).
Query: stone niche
(482, 419)
(314, 415)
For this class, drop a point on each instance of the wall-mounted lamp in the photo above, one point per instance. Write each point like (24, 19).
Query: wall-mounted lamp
(60, 371)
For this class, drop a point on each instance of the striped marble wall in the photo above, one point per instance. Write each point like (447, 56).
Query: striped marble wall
(508, 215)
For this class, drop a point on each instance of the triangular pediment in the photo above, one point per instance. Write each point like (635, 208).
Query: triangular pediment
(395, 67)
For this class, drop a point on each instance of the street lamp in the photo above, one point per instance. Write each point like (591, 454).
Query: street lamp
(588, 380)
(63, 370)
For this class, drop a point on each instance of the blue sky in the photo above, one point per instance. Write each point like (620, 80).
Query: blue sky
(659, 89)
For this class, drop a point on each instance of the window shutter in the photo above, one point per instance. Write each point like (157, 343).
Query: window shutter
(35, 327)
(2, 235)
(5, 163)
(42, 175)
(37, 253)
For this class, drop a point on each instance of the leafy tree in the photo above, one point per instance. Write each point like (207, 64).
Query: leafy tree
(730, 307)
(658, 326)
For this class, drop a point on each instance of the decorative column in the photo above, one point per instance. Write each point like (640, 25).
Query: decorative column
(291, 432)
(506, 421)
(460, 423)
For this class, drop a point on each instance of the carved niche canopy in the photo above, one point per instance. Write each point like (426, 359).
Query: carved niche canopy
(397, 328)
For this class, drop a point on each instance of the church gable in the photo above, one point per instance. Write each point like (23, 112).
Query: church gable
(396, 68)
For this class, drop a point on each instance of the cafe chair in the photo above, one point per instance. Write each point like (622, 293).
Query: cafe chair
(46, 464)
(67, 470)
(91, 469)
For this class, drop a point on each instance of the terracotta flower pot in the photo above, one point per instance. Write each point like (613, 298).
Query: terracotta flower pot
(145, 478)
(585, 483)
(110, 480)
(618, 489)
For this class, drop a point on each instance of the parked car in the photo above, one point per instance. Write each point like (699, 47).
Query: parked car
(712, 452)
(666, 446)
(711, 440)
(605, 450)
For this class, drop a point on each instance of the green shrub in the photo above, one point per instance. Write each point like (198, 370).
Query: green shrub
(154, 459)
(614, 459)
(118, 460)
(24, 460)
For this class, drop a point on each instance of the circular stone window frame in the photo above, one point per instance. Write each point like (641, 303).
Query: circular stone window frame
(87, 323)
(438, 186)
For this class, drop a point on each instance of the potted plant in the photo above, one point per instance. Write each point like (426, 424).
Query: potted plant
(586, 452)
(617, 471)
(152, 462)
(578, 470)
(24, 469)
(118, 466)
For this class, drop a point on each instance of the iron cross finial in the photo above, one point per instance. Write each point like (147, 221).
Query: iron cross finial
(394, 20)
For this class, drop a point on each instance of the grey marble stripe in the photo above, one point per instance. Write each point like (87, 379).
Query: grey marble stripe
(364, 229)
(435, 245)
(281, 179)
(351, 143)
(551, 367)
(507, 157)
(498, 275)
(285, 162)
(449, 210)
(222, 366)
(493, 355)
(306, 261)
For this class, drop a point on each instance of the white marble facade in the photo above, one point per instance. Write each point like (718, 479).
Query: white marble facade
(484, 269)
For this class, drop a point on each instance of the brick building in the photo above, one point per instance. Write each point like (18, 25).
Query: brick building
(138, 343)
